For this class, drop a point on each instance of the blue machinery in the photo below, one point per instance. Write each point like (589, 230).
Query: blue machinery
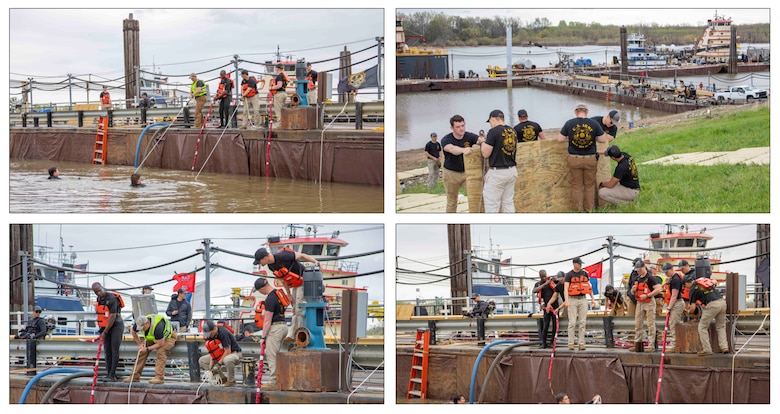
(301, 84)
(312, 336)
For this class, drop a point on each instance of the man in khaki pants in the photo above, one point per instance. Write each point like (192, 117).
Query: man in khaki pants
(645, 288)
(576, 288)
(156, 334)
(279, 90)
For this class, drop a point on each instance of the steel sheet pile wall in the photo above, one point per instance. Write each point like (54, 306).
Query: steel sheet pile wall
(347, 157)
(522, 379)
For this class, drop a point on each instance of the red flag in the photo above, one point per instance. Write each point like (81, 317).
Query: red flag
(594, 271)
(185, 280)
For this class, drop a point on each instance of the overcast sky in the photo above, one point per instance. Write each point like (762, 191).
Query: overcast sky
(422, 247)
(590, 13)
(112, 248)
(48, 44)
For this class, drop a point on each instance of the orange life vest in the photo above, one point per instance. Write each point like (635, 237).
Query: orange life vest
(707, 285)
(539, 293)
(642, 288)
(105, 98)
(311, 82)
(284, 84)
(215, 348)
(253, 91)
(283, 298)
(668, 288)
(260, 314)
(579, 285)
(103, 312)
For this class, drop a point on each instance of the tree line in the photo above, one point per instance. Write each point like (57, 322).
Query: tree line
(441, 30)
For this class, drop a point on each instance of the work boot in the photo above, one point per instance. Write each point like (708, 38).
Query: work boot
(582, 347)
(132, 379)
(650, 349)
(230, 383)
(704, 353)
(633, 349)
(156, 380)
(725, 351)
(571, 347)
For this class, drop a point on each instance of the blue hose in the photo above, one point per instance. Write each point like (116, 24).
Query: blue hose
(476, 365)
(43, 374)
(141, 137)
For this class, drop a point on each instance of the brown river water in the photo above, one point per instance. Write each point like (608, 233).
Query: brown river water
(86, 188)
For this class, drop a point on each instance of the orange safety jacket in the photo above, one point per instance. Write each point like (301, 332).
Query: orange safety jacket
(642, 288)
(284, 84)
(579, 285)
(668, 288)
(215, 348)
(103, 312)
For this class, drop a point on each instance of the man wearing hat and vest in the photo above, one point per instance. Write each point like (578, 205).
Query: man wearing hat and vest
(582, 133)
(198, 92)
(109, 308)
(703, 292)
(285, 265)
(675, 304)
(576, 288)
(623, 186)
(156, 334)
(35, 328)
(279, 91)
(644, 289)
(274, 327)
(251, 99)
(223, 350)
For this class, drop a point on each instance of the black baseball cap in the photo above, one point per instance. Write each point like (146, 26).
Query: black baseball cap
(260, 283)
(260, 254)
(682, 263)
(433, 134)
(576, 260)
(181, 290)
(495, 114)
(522, 113)
(613, 151)
(639, 264)
(245, 72)
(614, 116)
(667, 266)
(147, 287)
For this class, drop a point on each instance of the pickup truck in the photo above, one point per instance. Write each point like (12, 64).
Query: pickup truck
(744, 92)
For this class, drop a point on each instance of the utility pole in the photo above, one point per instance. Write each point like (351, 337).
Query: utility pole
(207, 260)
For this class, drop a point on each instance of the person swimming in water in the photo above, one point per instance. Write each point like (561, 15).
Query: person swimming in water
(135, 180)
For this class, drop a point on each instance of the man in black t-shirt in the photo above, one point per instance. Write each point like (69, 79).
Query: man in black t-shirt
(644, 289)
(702, 291)
(623, 186)
(281, 263)
(223, 94)
(500, 148)
(609, 123)
(582, 133)
(527, 130)
(433, 156)
(274, 328)
(223, 350)
(548, 290)
(455, 145)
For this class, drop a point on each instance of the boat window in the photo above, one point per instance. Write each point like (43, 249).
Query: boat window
(312, 249)
(332, 250)
(657, 244)
(684, 242)
(702, 243)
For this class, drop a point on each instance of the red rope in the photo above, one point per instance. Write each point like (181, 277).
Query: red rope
(95, 375)
(260, 364)
(270, 130)
(663, 352)
(200, 134)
